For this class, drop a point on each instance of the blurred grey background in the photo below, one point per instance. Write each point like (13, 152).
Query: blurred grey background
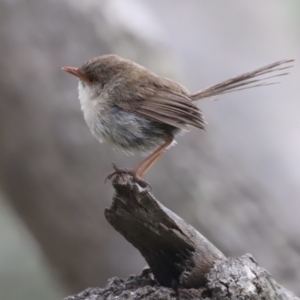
(237, 183)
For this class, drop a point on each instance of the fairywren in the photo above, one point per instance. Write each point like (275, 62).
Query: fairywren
(139, 112)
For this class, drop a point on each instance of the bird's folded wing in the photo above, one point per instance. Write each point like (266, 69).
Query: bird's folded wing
(166, 107)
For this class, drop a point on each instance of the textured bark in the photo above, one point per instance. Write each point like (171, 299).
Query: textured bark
(183, 264)
(174, 250)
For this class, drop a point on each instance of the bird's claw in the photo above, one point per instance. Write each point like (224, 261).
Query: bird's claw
(143, 183)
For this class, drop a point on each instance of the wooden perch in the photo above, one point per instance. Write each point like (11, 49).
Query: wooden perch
(182, 263)
(174, 250)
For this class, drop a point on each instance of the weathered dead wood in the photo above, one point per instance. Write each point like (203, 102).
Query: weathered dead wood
(232, 278)
(174, 250)
(183, 264)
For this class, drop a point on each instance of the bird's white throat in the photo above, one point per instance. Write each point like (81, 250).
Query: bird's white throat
(87, 105)
(91, 108)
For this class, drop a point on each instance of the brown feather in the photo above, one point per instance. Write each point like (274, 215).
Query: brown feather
(165, 101)
(167, 107)
(246, 79)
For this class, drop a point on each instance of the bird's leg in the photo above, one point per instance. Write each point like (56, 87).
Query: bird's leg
(143, 166)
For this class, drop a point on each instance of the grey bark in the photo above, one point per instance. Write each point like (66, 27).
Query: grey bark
(174, 250)
(183, 264)
(232, 278)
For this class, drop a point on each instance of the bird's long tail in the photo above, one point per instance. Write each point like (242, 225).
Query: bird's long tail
(246, 80)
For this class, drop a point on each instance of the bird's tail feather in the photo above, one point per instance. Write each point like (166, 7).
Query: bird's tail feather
(246, 80)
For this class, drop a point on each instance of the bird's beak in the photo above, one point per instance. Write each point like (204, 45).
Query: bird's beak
(73, 71)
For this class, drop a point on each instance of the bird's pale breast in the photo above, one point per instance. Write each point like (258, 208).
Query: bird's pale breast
(130, 132)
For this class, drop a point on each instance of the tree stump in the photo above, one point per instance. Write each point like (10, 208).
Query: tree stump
(182, 263)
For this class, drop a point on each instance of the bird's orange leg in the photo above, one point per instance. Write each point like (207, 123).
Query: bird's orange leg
(147, 163)
(143, 166)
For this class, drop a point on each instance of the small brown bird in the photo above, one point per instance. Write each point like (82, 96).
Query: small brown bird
(139, 112)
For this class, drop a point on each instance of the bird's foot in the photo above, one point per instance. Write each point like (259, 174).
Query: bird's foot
(143, 183)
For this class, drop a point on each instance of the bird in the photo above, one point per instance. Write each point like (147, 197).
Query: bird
(133, 109)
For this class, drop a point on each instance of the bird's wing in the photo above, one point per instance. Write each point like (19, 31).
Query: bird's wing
(165, 107)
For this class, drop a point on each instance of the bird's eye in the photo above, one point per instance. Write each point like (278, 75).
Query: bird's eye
(91, 78)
